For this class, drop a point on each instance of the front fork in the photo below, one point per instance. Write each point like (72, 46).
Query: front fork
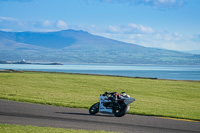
(118, 106)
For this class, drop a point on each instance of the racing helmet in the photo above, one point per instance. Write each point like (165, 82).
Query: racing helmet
(123, 94)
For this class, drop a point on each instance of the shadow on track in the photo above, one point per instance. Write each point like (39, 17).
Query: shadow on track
(84, 114)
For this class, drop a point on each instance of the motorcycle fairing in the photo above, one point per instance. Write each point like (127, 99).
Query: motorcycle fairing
(102, 108)
(129, 100)
(104, 99)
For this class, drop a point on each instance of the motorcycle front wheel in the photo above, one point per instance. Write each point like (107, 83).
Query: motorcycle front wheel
(94, 109)
(120, 113)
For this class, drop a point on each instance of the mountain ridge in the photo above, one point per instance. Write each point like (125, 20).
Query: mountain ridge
(72, 46)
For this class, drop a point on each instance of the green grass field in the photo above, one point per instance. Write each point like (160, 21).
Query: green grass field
(177, 99)
(7, 128)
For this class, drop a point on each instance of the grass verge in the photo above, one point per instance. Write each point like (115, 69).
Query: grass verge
(177, 99)
(7, 128)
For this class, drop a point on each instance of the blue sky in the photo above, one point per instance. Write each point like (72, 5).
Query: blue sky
(168, 24)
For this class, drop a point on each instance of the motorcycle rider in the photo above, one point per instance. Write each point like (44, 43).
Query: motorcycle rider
(113, 97)
(115, 94)
(109, 98)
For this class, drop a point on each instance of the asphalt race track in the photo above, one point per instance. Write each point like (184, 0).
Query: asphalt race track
(50, 116)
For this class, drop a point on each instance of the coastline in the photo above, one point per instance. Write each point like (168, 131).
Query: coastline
(136, 77)
(24, 62)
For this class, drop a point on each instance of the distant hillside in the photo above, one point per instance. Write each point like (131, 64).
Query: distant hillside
(71, 46)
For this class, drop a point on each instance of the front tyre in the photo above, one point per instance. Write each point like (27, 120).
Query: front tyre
(120, 113)
(94, 109)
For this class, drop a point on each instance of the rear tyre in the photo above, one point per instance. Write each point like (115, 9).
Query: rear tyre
(94, 109)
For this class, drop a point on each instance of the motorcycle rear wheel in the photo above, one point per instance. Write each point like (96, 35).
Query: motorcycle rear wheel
(94, 108)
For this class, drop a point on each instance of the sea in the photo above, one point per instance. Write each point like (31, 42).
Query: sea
(148, 71)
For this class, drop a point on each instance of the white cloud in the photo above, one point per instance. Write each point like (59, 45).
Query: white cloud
(129, 29)
(8, 23)
(140, 27)
(6, 30)
(114, 28)
(40, 24)
(7, 19)
(61, 24)
(13, 24)
(46, 23)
